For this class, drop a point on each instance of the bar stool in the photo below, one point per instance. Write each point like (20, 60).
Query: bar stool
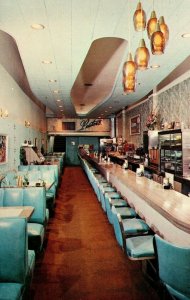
(174, 268)
(103, 191)
(130, 227)
(140, 247)
(124, 210)
(102, 185)
(109, 195)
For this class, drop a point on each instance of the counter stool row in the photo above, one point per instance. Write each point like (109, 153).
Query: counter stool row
(126, 223)
(136, 239)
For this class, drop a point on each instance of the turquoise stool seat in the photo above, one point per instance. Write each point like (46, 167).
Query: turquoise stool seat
(125, 212)
(140, 247)
(118, 202)
(134, 226)
(104, 190)
(101, 185)
(124, 228)
(174, 268)
(107, 197)
(110, 209)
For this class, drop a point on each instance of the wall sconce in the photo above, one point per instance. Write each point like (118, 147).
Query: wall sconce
(3, 114)
(27, 124)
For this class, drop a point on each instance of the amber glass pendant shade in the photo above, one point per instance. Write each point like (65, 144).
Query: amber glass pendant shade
(151, 25)
(139, 18)
(129, 84)
(142, 56)
(157, 41)
(164, 29)
(129, 67)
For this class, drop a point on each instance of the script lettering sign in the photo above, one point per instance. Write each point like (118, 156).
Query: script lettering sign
(87, 123)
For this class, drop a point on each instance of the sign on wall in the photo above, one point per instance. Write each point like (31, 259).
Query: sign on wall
(135, 124)
(86, 123)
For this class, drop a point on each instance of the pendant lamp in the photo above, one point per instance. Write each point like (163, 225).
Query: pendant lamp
(157, 41)
(164, 28)
(142, 56)
(129, 75)
(139, 18)
(129, 67)
(151, 25)
(129, 85)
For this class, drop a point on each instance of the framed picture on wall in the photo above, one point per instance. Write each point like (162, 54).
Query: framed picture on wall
(135, 125)
(3, 148)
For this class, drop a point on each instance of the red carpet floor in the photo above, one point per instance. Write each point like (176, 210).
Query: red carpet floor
(82, 259)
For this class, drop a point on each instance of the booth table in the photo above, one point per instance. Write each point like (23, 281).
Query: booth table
(16, 211)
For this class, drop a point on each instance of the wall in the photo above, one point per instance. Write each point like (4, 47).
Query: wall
(54, 126)
(19, 106)
(172, 104)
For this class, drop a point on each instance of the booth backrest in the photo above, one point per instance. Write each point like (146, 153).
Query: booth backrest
(29, 196)
(41, 168)
(13, 250)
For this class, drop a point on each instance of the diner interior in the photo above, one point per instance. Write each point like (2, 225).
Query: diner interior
(94, 150)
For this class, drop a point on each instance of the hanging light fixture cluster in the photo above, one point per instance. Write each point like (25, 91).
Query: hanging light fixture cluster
(157, 30)
(129, 67)
(158, 33)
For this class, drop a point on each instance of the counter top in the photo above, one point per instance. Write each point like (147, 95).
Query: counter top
(172, 206)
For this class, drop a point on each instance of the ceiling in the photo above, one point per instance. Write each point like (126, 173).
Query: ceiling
(70, 27)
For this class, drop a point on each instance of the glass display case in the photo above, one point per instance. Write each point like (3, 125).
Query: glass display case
(171, 152)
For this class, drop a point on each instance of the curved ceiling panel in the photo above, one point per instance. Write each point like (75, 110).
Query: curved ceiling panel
(10, 59)
(97, 76)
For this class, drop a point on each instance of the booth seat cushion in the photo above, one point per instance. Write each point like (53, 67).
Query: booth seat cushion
(31, 261)
(11, 291)
(47, 215)
(36, 234)
(50, 200)
(140, 247)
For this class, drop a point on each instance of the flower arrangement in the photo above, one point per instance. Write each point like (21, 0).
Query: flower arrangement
(152, 120)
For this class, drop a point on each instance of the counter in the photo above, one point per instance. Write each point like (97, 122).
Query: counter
(167, 212)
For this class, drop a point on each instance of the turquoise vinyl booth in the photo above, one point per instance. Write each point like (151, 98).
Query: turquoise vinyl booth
(29, 196)
(42, 168)
(16, 261)
(47, 176)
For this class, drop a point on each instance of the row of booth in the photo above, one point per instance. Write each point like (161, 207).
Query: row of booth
(30, 188)
(166, 265)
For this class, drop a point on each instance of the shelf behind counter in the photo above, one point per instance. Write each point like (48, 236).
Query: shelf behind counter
(167, 212)
(132, 162)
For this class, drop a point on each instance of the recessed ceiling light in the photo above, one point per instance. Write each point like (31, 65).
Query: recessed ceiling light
(37, 26)
(60, 105)
(58, 100)
(46, 62)
(61, 109)
(155, 66)
(186, 35)
(52, 80)
(88, 84)
(110, 107)
(106, 111)
(56, 91)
